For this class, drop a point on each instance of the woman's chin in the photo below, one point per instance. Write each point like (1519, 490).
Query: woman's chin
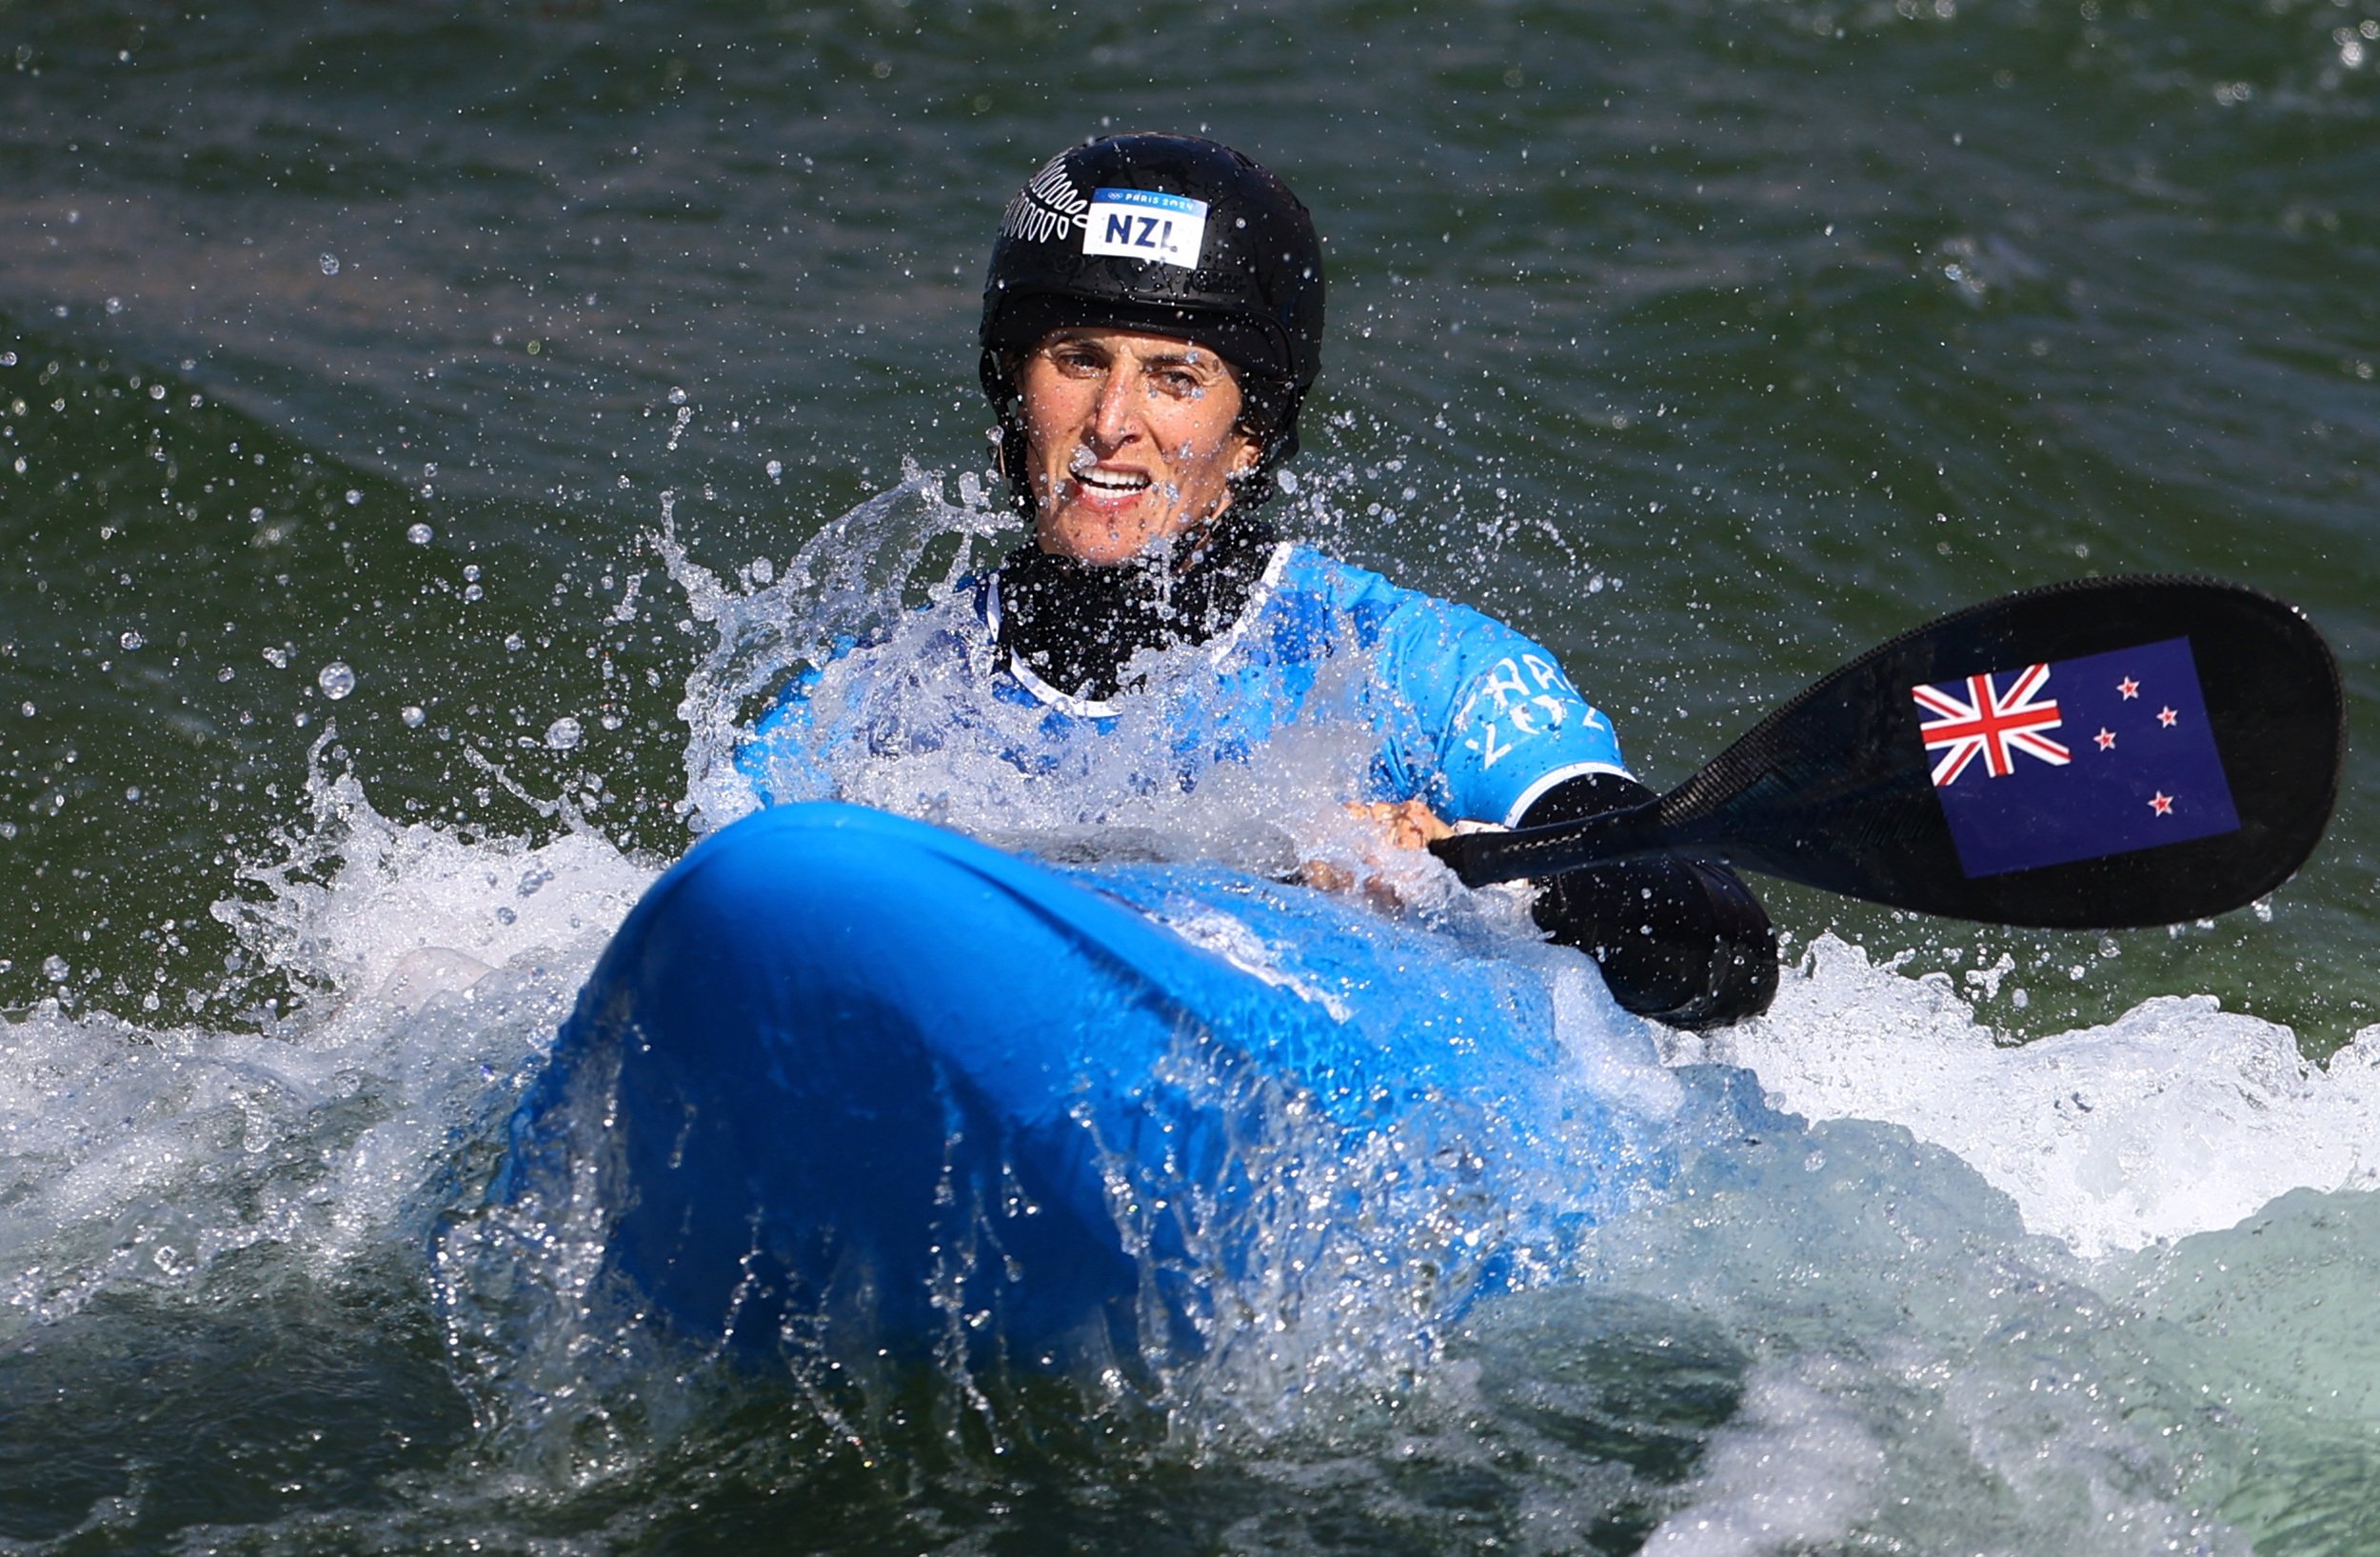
(1096, 539)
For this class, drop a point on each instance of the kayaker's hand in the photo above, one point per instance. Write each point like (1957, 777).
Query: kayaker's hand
(1408, 824)
(1402, 825)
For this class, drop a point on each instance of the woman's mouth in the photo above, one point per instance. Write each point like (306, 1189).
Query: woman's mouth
(1112, 483)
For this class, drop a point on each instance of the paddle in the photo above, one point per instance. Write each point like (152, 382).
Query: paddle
(2103, 754)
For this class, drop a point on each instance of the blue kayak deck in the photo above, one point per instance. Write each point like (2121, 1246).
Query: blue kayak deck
(851, 1082)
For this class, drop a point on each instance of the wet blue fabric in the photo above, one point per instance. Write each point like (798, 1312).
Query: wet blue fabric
(1469, 714)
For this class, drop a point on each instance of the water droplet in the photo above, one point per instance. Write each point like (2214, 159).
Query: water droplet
(419, 534)
(54, 968)
(514, 643)
(331, 265)
(336, 680)
(130, 640)
(470, 572)
(763, 570)
(354, 497)
(563, 733)
(776, 469)
(277, 658)
(412, 717)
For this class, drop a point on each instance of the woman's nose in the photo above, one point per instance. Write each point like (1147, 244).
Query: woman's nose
(1112, 416)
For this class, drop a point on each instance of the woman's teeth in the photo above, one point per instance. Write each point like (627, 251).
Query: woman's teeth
(1108, 481)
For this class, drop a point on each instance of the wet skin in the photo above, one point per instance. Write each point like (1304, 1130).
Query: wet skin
(1131, 440)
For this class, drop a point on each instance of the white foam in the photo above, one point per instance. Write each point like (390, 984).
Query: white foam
(1793, 1472)
(414, 910)
(433, 974)
(2177, 1118)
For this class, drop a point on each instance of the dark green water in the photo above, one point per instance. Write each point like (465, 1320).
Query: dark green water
(1710, 343)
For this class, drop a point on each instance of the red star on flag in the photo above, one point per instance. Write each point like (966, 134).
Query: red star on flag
(2166, 717)
(2162, 804)
(2130, 688)
(2106, 738)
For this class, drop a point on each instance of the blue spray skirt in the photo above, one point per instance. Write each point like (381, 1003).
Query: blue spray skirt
(850, 1084)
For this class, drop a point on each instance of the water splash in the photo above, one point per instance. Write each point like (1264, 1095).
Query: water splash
(428, 976)
(850, 583)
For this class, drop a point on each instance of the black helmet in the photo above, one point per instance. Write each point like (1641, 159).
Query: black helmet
(1170, 234)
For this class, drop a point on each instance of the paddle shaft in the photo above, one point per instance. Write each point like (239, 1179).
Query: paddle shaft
(1483, 858)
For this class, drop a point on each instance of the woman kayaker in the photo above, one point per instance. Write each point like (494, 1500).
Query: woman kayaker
(1152, 321)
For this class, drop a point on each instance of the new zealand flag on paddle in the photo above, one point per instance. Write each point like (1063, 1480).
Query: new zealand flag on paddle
(2074, 759)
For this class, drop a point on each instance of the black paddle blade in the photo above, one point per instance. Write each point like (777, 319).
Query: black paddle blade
(2104, 753)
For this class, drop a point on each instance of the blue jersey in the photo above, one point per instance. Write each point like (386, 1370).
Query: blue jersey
(1462, 713)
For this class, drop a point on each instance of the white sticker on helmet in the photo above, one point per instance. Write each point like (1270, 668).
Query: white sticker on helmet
(1046, 208)
(1143, 225)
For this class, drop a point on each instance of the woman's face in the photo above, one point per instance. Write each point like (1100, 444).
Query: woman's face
(1130, 440)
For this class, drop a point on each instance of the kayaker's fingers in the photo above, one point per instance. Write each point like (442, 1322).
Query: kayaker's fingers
(1397, 827)
(1409, 824)
(1323, 876)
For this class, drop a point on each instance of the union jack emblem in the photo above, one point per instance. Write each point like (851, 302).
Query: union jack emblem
(1991, 724)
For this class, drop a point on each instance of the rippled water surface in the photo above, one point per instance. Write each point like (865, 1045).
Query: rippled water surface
(424, 428)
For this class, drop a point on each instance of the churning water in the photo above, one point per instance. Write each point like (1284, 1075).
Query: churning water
(426, 431)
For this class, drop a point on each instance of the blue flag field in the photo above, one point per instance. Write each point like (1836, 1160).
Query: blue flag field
(2074, 759)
